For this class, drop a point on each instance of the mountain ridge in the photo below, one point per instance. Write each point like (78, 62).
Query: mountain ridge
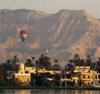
(61, 33)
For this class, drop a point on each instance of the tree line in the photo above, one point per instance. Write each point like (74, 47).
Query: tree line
(12, 65)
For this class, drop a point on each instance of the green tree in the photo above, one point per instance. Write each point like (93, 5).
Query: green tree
(29, 63)
(44, 61)
(76, 60)
(56, 80)
(88, 61)
(40, 80)
(56, 66)
(98, 65)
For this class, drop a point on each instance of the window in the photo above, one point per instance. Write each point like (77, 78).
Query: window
(95, 77)
(83, 76)
(89, 77)
(99, 76)
(91, 82)
(88, 83)
(26, 71)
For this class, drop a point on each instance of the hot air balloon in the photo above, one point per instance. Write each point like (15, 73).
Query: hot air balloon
(23, 35)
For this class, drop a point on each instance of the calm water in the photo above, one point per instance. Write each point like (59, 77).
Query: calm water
(49, 92)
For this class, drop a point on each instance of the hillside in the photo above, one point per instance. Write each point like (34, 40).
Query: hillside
(64, 33)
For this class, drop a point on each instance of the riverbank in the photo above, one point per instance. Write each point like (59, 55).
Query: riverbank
(48, 88)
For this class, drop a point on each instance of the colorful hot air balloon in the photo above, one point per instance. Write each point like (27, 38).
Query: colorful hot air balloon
(23, 35)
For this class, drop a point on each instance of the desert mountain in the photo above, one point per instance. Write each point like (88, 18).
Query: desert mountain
(64, 33)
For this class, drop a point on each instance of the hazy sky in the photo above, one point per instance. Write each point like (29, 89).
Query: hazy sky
(52, 6)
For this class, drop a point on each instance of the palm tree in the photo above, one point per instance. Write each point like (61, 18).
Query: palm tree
(98, 65)
(76, 60)
(33, 60)
(15, 60)
(44, 61)
(88, 61)
(56, 66)
(28, 63)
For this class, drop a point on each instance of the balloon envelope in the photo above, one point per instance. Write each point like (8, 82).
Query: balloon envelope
(23, 34)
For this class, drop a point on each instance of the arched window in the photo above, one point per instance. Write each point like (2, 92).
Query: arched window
(88, 77)
(96, 77)
(83, 76)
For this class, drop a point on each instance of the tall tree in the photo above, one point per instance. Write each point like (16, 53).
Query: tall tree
(88, 61)
(76, 60)
(98, 65)
(15, 60)
(44, 61)
(56, 66)
(29, 63)
(33, 60)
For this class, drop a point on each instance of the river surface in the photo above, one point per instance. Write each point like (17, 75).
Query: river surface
(49, 92)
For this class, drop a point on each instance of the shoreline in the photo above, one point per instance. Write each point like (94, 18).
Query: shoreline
(47, 88)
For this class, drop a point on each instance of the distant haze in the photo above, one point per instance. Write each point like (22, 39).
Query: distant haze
(63, 34)
(52, 6)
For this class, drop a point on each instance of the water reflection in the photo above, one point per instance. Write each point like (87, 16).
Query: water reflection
(49, 92)
(86, 92)
(22, 91)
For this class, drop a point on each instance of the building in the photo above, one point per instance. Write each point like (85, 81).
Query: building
(65, 79)
(30, 70)
(85, 75)
(27, 74)
(22, 77)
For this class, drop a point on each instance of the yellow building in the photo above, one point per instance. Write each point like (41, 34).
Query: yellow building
(85, 74)
(53, 72)
(75, 77)
(21, 77)
(90, 77)
(24, 74)
(30, 70)
(41, 70)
